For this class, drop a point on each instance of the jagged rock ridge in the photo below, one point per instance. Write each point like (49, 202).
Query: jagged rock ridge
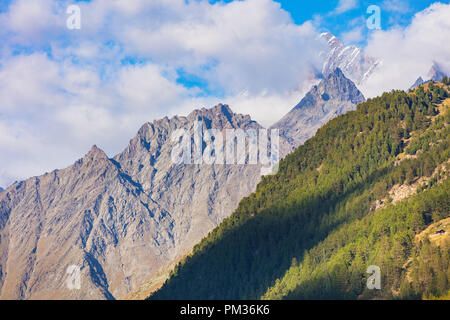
(120, 220)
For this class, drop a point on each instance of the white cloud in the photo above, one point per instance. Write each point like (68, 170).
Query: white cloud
(400, 6)
(268, 108)
(409, 53)
(25, 82)
(250, 45)
(345, 5)
(144, 87)
(353, 36)
(31, 22)
(68, 90)
(357, 31)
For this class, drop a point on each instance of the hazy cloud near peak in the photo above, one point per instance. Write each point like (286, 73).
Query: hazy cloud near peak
(409, 53)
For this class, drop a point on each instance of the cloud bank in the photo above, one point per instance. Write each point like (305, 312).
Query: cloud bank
(132, 61)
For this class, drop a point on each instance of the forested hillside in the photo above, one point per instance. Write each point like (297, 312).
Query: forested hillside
(359, 193)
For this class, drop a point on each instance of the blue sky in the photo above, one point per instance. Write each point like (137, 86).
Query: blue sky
(133, 61)
(302, 11)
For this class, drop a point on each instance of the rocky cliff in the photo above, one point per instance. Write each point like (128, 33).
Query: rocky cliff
(119, 220)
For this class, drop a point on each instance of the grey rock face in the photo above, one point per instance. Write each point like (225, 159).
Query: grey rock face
(199, 197)
(350, 59)
(90, 215)
(120, 220)
(333, 96)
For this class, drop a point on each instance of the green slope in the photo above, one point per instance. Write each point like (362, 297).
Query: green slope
(316, 209)
(336, 268)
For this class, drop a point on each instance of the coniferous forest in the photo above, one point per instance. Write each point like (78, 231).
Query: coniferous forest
(370, 188)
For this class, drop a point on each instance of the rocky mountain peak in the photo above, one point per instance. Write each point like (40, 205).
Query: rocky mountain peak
(336, 74)
(96, 152)
(332, 40)
(334, 95)
(436, 73)
(353, 62)
(334, 87)
(222, 109)
(155, 136)
(121, 219)
(95, 155)
(418, 82)
(221, 117)
(337, 86)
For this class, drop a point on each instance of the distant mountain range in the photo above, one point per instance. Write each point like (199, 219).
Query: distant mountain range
(128, 220)
(125, 220)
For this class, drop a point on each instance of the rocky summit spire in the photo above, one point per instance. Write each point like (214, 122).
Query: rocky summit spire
(333, 96)
(96, 154)
(436, 73)
(337, 86)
